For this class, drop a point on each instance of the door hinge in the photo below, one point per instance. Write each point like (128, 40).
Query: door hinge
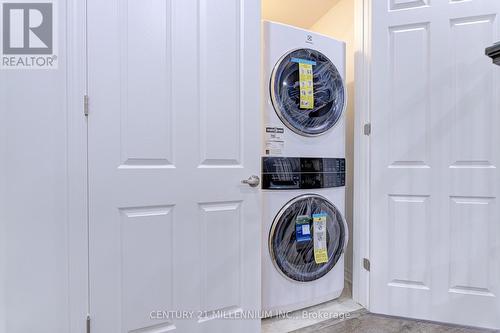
(367, 129)
(88, 324)
(86, 105)
(366, 264)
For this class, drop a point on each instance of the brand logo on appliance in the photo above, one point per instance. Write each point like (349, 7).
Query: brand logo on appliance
(28, 34)
(309, 39)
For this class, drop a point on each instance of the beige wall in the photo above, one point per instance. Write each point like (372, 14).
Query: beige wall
(336, 20)
(298, 13)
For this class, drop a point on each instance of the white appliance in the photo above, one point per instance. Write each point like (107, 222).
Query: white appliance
(300, 118)
(303, 205)
(303, 169)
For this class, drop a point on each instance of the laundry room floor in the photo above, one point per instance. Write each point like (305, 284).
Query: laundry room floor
(344, 315)
(314, 315)
(362, 321)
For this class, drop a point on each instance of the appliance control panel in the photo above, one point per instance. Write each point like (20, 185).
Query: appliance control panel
(289, 173)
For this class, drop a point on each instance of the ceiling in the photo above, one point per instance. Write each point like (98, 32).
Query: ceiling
(300, 13)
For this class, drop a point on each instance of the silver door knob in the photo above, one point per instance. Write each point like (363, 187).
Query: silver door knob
(252, 181)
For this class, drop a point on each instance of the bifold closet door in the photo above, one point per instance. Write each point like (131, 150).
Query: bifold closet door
(174, 127)
(435, 183)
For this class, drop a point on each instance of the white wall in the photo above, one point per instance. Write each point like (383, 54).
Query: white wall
(338, 23)
(43, 274)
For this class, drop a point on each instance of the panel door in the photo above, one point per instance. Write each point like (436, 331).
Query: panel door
(435, 215)
(174, 127)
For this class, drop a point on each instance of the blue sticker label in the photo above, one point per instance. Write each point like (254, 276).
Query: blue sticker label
(319, 215)
(303, 61)
(303, 228)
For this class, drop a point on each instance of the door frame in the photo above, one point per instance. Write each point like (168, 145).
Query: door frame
(361, 200)
(77, 133)
(77, 247)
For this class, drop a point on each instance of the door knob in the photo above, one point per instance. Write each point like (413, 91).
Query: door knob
(252, 181)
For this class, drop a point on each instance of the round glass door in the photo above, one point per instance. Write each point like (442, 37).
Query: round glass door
(294, 236)
(307, 92)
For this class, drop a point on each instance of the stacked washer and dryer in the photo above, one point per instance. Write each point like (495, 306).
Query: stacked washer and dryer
(303, 169)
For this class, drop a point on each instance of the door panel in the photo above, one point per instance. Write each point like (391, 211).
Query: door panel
(221, 83)
(470, 269)
(409, 226)
(409, 114)
(473, 89)
(174, 127)
(146, 260)
(434, 165)
(146, 123)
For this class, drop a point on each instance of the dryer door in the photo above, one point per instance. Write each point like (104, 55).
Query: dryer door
(291, 239)
(307, 92)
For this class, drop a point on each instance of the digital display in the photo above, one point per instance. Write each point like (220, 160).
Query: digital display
(311, 164)
(282, 173)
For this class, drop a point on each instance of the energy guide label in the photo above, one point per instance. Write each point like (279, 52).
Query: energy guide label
(319, 233)
(306, 80)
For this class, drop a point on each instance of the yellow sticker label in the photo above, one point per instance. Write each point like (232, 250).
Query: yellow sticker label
(306, 86)
(320, 247)
(320, 256)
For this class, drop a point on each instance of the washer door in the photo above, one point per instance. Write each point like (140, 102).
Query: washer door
(328, 91)
(293, 254)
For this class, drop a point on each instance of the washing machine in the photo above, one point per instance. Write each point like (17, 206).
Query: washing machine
(304, 232)
(305, 94)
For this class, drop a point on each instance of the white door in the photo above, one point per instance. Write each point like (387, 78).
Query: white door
(174, 127)
(435, 215)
